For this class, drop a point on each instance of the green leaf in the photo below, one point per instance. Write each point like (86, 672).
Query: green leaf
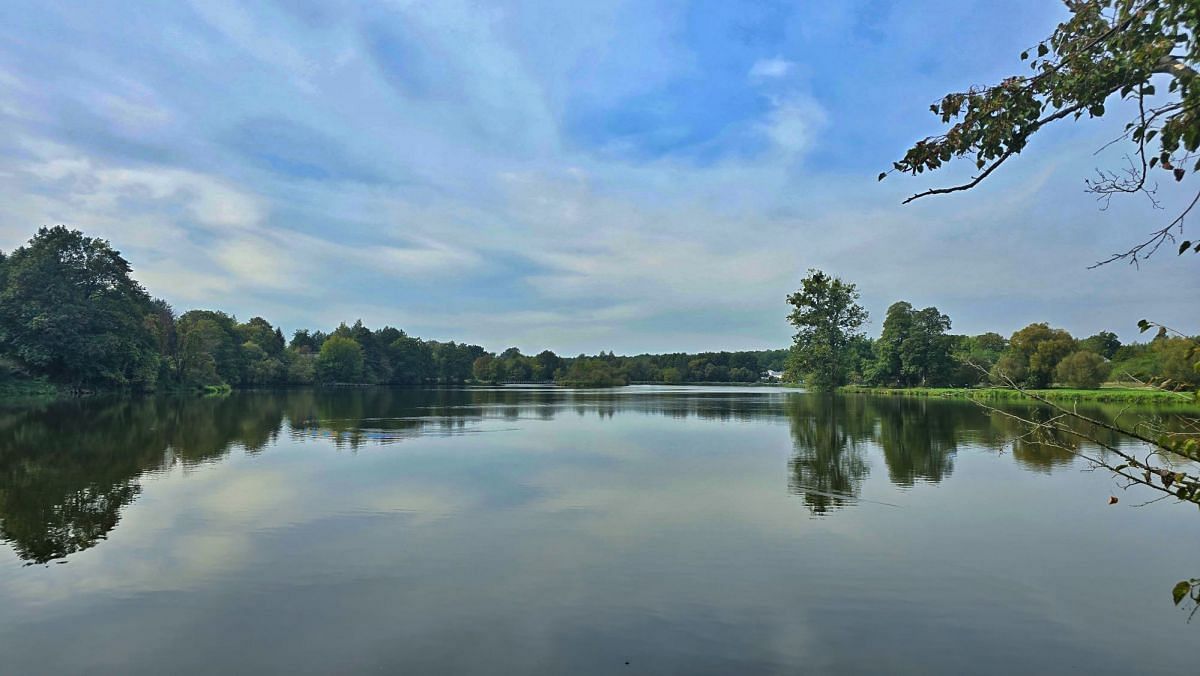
(882, 175)
(1181, 591)
(1043, 50)
(1187, 244)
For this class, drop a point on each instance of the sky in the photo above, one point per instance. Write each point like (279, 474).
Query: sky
(581, 176)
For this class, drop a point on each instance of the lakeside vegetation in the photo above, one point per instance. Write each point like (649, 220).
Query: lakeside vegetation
(915, 352)
(73, 319)
(1126, 395)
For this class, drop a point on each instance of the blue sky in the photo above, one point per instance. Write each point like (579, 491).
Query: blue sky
(634, 176)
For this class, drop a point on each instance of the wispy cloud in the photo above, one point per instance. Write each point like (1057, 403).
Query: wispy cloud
(581, 176)
(768, 69)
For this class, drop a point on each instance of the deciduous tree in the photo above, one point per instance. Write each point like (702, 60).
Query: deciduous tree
(340, 360)
(1083, 369)
(827, 316)
(70, 310)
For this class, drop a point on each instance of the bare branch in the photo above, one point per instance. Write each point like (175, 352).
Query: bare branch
(1151, 245)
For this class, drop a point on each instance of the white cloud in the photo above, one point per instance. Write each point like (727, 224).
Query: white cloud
(97, 187)
(793, 123)
(482, 173)
(258, 262)
(770, 69)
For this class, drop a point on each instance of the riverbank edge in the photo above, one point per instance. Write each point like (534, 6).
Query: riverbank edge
(30, 390)
(1113, 395)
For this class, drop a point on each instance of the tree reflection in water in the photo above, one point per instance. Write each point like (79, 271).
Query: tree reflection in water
(830, 463)
(68, 469)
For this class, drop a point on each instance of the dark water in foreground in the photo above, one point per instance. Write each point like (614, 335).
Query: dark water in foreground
(679, 530)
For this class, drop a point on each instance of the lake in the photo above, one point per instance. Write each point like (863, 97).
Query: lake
(526, 530)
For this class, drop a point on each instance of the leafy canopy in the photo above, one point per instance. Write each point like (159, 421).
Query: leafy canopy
(69, 309)
(340, 360)
(913, 348)
(828, 318)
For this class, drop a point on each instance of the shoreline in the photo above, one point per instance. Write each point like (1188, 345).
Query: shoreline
(1114, 395)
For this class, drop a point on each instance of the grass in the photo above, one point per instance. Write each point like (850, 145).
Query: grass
(25, 388)
(1116, 394)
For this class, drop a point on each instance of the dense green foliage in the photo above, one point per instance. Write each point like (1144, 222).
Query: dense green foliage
(1083, 369)
(704, 367)
(1123, 395)
(69, 310)
(675, 368)
(828, 319)
(593, 372)
(340, 360)
(1033, 354)
(514, 367)
(71, 315)
(913, 348)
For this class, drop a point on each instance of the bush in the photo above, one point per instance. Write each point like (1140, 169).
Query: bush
(340, 360)
(1179, 359)
(1084, 370)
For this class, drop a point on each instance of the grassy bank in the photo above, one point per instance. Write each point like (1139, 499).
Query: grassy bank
(716, 383)
(20, 389)
(1128, 395)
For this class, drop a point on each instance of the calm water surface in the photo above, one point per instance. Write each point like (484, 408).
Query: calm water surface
(525, 530)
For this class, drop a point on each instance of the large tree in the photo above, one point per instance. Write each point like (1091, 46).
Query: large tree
(1033, 355)
(210, 349)
(70, 310)
(340, 360)
(913, 348)
(827, 317)
(412, 360)
(1143, 51)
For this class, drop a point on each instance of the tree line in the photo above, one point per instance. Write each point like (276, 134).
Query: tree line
(916, 349)
(72, 313)
(608, 369)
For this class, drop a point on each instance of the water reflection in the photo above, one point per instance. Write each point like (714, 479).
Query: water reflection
(829, 464)
(68, 469)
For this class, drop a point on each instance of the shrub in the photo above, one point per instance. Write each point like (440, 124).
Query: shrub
(1083, 369)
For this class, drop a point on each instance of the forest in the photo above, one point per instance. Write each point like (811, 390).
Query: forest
(73, 316)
